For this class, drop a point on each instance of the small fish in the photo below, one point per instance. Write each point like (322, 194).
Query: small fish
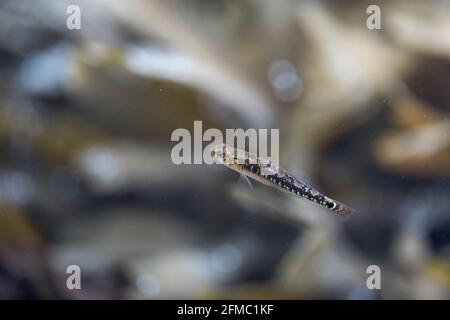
(264, 171)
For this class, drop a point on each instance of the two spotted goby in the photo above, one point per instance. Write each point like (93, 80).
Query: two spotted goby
(262, 170)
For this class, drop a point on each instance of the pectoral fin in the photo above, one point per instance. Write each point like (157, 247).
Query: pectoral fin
(245, 182)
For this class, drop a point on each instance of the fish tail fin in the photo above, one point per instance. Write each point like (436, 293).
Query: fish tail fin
(343, 211)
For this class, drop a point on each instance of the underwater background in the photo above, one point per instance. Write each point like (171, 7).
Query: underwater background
(87, 179)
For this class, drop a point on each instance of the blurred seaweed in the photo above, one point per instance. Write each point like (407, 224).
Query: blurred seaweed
(86, 176)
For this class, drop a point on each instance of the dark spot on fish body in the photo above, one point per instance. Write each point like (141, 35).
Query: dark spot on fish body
(281, 182)
(274, 179)
(331, 205)
(320, 198)
(306, 191)
(286, 183)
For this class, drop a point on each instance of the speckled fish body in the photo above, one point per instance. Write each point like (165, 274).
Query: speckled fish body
(262, 170)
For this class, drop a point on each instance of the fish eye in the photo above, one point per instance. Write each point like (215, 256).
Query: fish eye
(331, 205)
(213, 153)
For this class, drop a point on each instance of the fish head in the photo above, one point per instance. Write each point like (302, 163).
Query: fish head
(221, 153)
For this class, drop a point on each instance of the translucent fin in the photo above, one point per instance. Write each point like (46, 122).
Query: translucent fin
(245, 182)
(342, 211)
